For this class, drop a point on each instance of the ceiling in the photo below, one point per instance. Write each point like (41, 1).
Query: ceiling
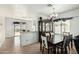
(45, 9)
(25, 10)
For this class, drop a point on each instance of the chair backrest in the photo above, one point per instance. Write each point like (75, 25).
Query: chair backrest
(52, 35)
(67, 40)
(66, 33)
(47, 34)
(44, 41)
(57, 38)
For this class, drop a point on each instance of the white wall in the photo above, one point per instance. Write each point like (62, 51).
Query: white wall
(26, 37)
(19, 12)
(9, 27)
(74, 22)
(15, 11)
(2, 30)
(6, 10)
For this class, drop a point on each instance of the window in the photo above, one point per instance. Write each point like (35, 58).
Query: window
(66, 26)
(62, 26)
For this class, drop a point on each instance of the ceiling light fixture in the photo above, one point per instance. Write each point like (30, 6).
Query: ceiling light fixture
(53, 14)
(49, 5)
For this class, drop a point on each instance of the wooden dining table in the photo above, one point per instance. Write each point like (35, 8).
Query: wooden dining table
(54, 45)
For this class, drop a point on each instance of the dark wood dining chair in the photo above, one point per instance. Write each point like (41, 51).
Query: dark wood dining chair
(76, 42)
(45, 44)
(66, 45)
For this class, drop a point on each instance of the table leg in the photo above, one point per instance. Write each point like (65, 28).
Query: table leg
(54, 49)
(65, 50)
(72, 44)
